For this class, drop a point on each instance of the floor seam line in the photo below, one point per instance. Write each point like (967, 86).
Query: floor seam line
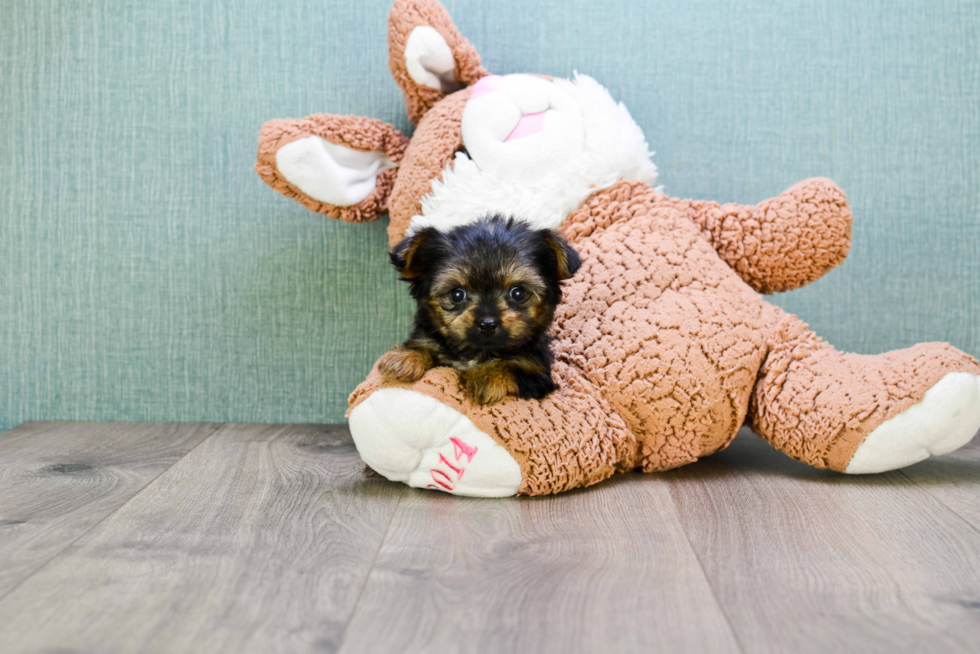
(939, 500)
(367, 576)
(108, 515)
(707, 579)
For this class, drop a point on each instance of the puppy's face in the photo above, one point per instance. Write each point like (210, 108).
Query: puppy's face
(492, 301)
(490, 286)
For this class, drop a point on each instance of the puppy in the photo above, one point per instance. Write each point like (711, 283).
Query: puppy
(486, 294)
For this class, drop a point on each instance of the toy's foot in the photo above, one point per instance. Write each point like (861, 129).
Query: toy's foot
(945, 420)
(415, 439)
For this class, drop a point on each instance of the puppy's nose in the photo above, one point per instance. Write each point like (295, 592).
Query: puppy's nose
(487, 325)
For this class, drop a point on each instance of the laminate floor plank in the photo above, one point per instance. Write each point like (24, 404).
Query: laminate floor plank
(803, 560)
(257, 541)
(60, 479)
(263, 538)
(953, 479)
(604, 569)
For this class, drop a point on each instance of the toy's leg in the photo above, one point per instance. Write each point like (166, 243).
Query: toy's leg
(857, 413)
(430, 435)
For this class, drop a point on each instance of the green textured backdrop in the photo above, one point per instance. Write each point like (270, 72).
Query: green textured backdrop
(146, 273)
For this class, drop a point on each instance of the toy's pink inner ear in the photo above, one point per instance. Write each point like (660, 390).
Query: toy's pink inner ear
(487, 84)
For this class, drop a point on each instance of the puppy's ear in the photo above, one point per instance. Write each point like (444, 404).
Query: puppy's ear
(568, 259)
(405, 256)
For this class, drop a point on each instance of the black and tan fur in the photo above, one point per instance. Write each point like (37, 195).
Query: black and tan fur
(486, 294)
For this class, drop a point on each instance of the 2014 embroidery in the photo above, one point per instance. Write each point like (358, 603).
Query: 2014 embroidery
(447, 479)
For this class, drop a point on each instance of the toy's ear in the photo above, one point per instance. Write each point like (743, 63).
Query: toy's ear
(341, 166)
(568, 259)
(427, 55)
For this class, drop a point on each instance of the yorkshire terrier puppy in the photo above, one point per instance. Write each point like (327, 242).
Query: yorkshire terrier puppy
(486, 294)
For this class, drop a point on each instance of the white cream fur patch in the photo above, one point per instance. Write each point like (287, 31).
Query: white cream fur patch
(418, 440)
(331, 173)
(945, 420)
(589, 142)
(429, 60)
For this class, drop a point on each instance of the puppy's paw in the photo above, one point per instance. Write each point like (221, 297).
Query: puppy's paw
(401, 364)
(489, 383)
(535, 387)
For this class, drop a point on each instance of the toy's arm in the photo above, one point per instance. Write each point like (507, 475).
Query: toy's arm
(782, 243)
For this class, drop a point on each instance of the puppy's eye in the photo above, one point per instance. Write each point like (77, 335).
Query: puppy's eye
(517, 293)
(457, 295)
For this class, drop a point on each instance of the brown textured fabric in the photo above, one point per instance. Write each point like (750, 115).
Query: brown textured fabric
(437, 138)
(405, 16)
(783, 243)
(570, 439)
(818, 405)
(355, 132)
(668, 350)
(664, 327)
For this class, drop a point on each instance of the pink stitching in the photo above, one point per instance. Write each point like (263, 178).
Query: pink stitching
(460, 448)
(451, 485)
(464, 448)
(459, 471)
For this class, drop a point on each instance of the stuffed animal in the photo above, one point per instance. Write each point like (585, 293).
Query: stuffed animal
(664, 345)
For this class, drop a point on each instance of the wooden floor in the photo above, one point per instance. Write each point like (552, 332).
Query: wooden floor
(263, 538)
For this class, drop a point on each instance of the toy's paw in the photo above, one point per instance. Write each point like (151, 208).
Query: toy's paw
(945, 420)
(415, 439)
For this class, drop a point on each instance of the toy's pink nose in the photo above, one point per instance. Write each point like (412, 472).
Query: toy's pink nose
(527, 125)
(487, 84)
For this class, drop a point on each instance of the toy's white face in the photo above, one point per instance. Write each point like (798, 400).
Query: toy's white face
(520, 127)
(534, 150)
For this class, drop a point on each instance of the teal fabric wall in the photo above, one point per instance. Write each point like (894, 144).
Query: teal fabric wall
(147, 274)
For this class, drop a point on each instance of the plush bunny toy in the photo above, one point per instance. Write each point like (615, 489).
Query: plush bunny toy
(664, 346)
